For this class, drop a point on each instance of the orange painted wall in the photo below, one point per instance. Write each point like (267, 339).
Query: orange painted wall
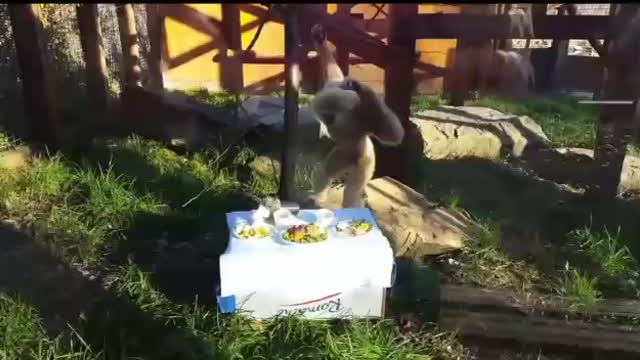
(202, 72)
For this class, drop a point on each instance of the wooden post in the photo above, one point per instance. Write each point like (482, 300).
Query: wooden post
(616, 125)
(94, 55)
(154, 25)
(292, 85)
(459, 91)
(342, 48)
(130, 44)
(398, 89)
(232, 68)
(560, 51)
(36, 82)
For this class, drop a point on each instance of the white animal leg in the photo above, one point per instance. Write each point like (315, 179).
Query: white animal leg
(358, 177)
(332, 167)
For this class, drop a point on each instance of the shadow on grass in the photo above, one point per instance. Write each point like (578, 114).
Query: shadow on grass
(179, 246)
(528, 208)
(108, 321)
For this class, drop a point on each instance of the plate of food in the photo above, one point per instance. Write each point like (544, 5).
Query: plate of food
(253, 231)
(305, 234)
(354, 227)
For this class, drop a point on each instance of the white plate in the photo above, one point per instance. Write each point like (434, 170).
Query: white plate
(281, 238)
(342, 228)
(237, 229)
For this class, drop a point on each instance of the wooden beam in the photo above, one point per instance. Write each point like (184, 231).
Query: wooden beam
(232, 69)
(398, 89)
(130, 45)
(540, 330)
(37, 88)
(154, 23)
(360, 43)
(292, 88)
(94, 56)
(478, 27)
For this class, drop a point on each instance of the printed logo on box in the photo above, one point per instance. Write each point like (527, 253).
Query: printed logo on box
(330, 304)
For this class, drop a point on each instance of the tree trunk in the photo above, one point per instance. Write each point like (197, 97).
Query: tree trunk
(94, 55)
(39, 101)
(130, 44)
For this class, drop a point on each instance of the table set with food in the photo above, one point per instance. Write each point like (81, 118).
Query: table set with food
(289, 260)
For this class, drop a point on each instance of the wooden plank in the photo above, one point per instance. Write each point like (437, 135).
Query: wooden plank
(398, 89)
(541, 331)
(292, 88)
(507, 301)
(130, 45)
(477, 27)
(94, 55)
(154, 23)
(232, 69)
(39, 100)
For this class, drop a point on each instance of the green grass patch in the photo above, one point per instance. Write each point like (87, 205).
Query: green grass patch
(22, 336)
(135, 199)
(566, 123)
(580, 289)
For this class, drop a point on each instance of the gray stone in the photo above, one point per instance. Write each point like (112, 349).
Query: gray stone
(451, 132)
(269, 111)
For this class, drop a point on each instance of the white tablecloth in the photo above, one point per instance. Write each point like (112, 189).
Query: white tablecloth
(337, 264)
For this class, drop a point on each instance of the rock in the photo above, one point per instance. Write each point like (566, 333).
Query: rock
(451, 132)
(266, 166)
(413, 227)
(15, 158)
(269, 111)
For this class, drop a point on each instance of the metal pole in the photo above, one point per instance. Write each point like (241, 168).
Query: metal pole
(292, 85)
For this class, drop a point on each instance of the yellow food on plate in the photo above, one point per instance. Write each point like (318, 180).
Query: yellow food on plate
(248, 232)
(306, 234)
(355, 227)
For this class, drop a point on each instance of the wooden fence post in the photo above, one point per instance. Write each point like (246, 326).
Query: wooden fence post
(130, 44)
(398, 89)
(154, 29)
(232, 68)
(94, 55)
(292, 86)
(342, 48)
(39, 101)
(616, 125)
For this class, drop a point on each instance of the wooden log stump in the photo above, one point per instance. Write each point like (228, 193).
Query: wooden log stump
(37, 88)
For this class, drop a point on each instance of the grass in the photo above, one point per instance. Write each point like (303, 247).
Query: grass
(22, 336)
(142, 213)
(566, 123)
(151, 218)
(580, 289)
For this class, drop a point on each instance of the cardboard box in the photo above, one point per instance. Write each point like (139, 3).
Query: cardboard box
(364, 302)
(341, 278)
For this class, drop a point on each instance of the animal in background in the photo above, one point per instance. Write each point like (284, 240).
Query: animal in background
(352, 113)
